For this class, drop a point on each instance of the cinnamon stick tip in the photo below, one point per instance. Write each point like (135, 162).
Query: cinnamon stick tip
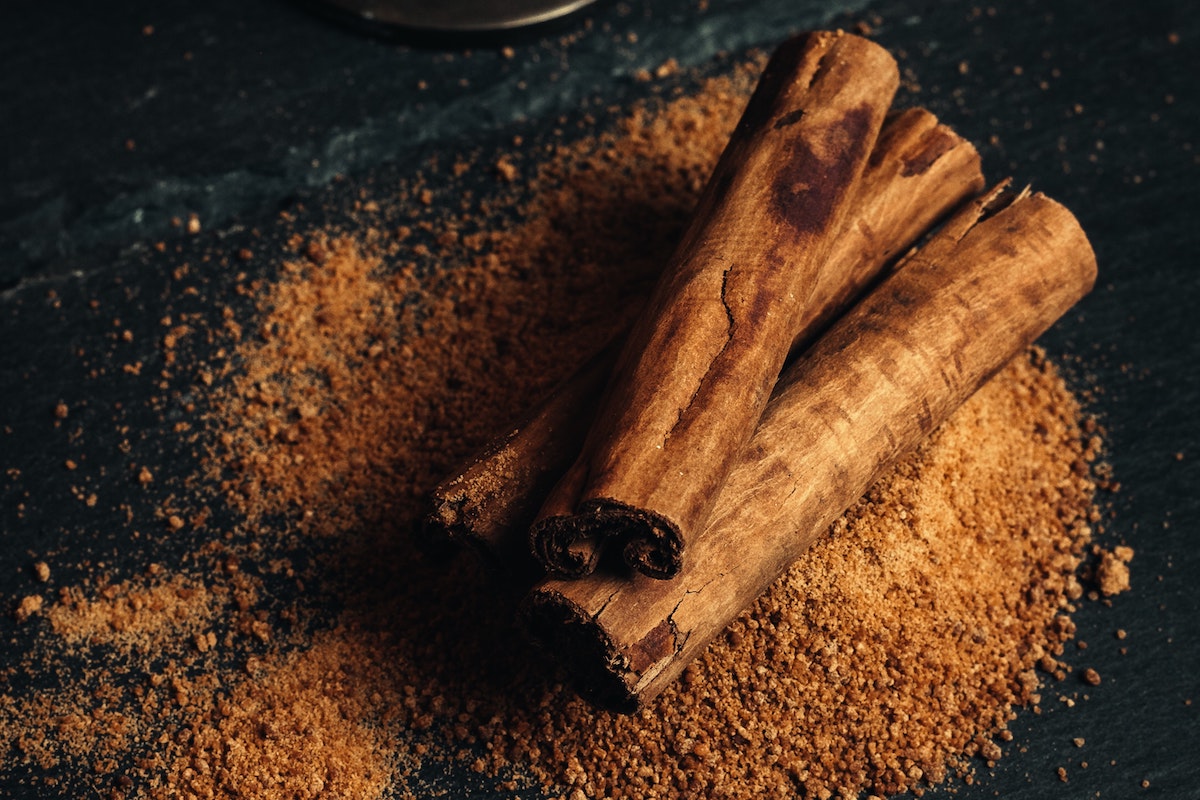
(576, 642)
(819, 50)
(1062, 227)
(565, 545)
(1080, 246)
(652, 543)
(1002, 196)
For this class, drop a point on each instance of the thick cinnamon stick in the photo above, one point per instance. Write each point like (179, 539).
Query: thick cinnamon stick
(869, 390)
(698, 367)
(918, 172)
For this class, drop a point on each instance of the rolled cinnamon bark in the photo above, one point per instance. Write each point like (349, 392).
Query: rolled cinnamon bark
(698, 367)
(882, 378)
(489, 503)
(918, 172)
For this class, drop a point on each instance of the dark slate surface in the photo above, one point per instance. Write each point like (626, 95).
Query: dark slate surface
(234, 110)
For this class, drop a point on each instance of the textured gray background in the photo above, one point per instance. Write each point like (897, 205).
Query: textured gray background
(274, 101)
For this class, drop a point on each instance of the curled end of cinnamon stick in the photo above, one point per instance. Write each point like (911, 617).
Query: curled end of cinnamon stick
(651, 543)
(582, 647)
(566, 545)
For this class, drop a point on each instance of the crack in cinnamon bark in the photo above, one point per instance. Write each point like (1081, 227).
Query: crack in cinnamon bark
(604, 605)
(790, 118)
(825, 63)
(730, 325)
(648, 554)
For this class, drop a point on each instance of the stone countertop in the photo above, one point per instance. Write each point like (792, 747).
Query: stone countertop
(121, 121)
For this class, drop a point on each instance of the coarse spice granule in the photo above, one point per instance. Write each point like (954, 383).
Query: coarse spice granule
(307, 648)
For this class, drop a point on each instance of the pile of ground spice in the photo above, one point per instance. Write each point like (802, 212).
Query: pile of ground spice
(309, 648)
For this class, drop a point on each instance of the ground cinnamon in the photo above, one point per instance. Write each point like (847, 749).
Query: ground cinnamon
(991, 281)
(699, 365)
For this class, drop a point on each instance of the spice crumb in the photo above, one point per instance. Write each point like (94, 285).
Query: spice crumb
(1112, 573)
(28, 606)
(505, 169)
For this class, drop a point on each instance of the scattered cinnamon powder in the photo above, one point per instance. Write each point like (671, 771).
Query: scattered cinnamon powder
(309, 725)
(137, 614)
(1112, 573)
(309, 649)
(30, 604)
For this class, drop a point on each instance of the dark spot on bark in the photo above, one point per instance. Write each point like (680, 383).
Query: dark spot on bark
(1034, 296)
(658, 644)
(806, 190)
(790, 118)
(902, 298)
(781, 68)
(925, 416)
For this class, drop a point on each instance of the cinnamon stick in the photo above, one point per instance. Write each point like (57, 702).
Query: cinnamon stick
(882, 378)
(918, 172)
(489, 503)
(698, 367)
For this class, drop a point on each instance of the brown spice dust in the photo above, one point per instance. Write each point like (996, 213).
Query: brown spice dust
(381, 353)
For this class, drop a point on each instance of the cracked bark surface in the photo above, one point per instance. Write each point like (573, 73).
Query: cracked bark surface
(874, 386)
(698, 367)
(918, 172)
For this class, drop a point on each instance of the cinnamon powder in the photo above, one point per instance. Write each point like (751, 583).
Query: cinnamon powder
(384, 349)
